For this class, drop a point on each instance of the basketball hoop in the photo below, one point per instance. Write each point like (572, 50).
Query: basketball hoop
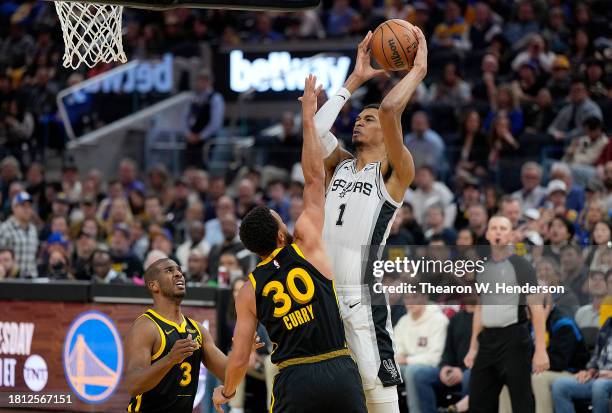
(92, 33)
(92, 28)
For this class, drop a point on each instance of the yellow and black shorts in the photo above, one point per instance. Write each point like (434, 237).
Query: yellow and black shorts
(330, 385)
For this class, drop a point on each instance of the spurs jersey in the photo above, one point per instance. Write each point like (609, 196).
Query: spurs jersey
(358, 212)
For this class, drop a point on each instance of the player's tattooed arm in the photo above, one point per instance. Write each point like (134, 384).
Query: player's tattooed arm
(399, 158)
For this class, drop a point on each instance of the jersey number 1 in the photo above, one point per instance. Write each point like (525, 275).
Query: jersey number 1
(342, 208)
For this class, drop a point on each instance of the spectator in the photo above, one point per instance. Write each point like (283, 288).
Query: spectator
(425, 145)
(528, 84)
(556, 32)
(560, 234)
(339, 18)
(598, 83)
(245, 197)
(453, 32)
(504, 145)
(483, 90)
(511, 208)
(295, 210)
(573, 273)
(428, 192)
(196, 241)
(85, 245)
(568, 123)
(581, 47)
(231, 243)
(128, 175)
(485, 26)
(575, 193)
(474, 150)
(59, 266)
(532, 194)
(526, 23)
(16, 129)
(224, 206)
(278, 201)
(549, 273)
(205, 118)
(594, 383)
(559, 83)
(536, 53)
(18, 233)
(583, 151)
(539, 114)
(419, 338)
(470, 195)
(196, 269)
(263, 31)
(8, 267)
(102, 269)
(588, 315)
(451, 372)
(505, 100)
(123, 259)
(177, 209)
(434, 225)
(477, 223)
(451, 90)
(599, 241)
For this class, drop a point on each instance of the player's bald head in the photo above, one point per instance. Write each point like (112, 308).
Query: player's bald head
(154, 270)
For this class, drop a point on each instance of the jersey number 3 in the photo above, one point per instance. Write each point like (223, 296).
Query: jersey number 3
(342, 208)
(284, 299)
(186, 379)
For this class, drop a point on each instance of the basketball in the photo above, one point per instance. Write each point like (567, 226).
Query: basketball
(394, 45)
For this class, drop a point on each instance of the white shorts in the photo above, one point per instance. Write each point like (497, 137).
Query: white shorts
(369, 336)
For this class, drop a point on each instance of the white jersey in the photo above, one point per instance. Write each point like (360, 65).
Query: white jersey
(358, 213)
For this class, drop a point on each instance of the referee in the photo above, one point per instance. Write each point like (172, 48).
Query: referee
(501, 346)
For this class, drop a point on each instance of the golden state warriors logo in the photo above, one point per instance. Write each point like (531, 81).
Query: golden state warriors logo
(93, 357)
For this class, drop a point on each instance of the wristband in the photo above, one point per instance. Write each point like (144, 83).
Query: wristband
(228, 397)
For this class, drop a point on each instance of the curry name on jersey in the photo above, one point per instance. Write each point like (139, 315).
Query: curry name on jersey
(297, 305)
(176, 391)
(358, 213)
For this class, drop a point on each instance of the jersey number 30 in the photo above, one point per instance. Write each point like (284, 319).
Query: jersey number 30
(298, 296)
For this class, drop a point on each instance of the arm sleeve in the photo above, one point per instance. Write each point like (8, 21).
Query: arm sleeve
(327, 114)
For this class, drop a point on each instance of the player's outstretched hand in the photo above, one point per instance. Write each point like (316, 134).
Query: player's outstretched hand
(182, 349)
(219, 399)
(363, 64)
(420, 60)
(309, 98)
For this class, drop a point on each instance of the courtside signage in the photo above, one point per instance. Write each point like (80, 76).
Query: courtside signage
(93, 357)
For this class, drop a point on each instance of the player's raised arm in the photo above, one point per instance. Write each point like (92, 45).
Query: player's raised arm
(390, 113)
(326, 116)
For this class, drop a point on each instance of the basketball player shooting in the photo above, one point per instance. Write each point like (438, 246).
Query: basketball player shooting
(292, 294)
(363, 194)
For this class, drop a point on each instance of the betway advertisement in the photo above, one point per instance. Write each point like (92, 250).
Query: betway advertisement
(69, 356)
(275, 75)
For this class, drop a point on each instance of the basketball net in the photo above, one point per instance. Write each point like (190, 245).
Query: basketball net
(92, 33)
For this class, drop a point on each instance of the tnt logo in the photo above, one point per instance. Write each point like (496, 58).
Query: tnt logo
(35, 373)
(93, 357)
